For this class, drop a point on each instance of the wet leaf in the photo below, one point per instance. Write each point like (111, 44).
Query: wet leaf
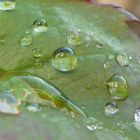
(86, 84)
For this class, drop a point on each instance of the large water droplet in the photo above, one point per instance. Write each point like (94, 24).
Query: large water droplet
(92, 124)
(9, 104)
(137, 115)
(64, 59)
(34, 90)
(122, 59)
(118, 87)
(111, 108)
(40, 25)
(26, 41)
(74, 38)
(36, 52)
(7, 5)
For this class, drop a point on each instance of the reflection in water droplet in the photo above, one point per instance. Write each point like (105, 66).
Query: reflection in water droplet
(111, 108)
(36, 52)
(34, 90)
(137, 115)
(7, 5)
(64, 59)
(74, 38)
(40, 25)
(122, 59)
(118, 87)
(26, 41)
(107, 65)
(92, 124)
(33, 107)
(38, 63)
(9, 104)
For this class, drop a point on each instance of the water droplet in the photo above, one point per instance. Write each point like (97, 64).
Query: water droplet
(111, 108)
(118, 87)
(26, 41)
(9, 104)
(36, 52)
(33, 107)
(111, 57)
(122, 59)
(107, 65)
(74, 38)
(40, 25)
(34, 90)
(92, 124)
(38, 63)
(99, 45)
(64, 59)
(137, 115)
(7, 5)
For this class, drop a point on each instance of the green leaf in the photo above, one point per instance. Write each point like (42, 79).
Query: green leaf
(86, 85)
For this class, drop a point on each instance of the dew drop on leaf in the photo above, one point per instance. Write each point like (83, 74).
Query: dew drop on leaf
(122, 59)
(26, 41)
(137, 115)
(111, 108)
(64, 59)
(38, 63)
(74, 38)
(107, 65)
(93, 124)
(33, 107)
(9, 103)
(36, 53)
(40, 25)
(118, 87)
(7, 5)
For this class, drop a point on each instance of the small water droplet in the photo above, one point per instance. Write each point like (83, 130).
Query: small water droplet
(40, 25)
(83, 107)
(9, 104)
(7, 5)
(64, 59)
(26, 41)
(92, 124)
(111, 57)
(107, 65)
(74, 38)
(36, 52)
(111, 108)
(99, 45)
(118, 87)
(137, 115)
(33, 107)
(122, 59)
(38, 63)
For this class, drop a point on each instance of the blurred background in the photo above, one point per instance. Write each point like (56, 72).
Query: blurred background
(131, 5)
